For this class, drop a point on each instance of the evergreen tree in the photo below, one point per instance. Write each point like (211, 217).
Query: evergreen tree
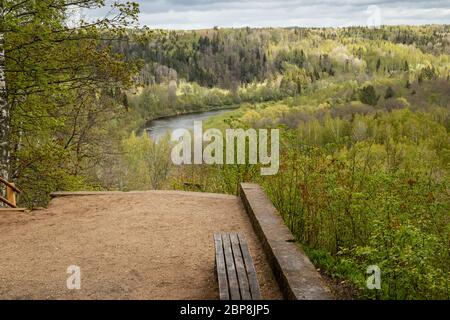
(378, 64)
(368, 95)
(389, 93)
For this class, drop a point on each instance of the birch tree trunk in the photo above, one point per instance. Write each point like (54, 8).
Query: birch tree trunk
(4, 117)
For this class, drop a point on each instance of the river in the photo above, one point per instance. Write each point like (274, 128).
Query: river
(159, 127)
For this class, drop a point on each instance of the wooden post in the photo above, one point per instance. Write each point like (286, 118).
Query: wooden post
(10, 194)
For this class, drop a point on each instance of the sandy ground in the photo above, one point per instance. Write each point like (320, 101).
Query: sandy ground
(152, 245)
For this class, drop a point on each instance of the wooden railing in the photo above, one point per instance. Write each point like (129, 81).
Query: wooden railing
(11, 191)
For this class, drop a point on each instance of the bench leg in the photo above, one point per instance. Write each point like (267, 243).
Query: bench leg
(11, 195)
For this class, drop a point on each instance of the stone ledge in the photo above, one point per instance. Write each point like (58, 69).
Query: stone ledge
(296, 275)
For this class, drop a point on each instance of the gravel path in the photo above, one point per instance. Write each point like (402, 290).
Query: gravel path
(143, 245)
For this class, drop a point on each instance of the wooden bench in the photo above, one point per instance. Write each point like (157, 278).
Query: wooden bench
(235, 270)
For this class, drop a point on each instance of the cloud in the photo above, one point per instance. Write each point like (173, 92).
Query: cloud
(197, 14)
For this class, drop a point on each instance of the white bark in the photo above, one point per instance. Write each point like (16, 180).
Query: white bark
(4, 117)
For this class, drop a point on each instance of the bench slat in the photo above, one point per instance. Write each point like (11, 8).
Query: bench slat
(231, 269)
(240, 268)
(221, 268)
(251, 272)
(235, 270)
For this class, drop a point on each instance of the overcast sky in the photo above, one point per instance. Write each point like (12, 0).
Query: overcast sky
(197, 14)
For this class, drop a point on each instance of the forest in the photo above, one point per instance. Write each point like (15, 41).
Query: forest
(364, 116)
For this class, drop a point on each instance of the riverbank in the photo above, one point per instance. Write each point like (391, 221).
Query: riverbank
(174, 115)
